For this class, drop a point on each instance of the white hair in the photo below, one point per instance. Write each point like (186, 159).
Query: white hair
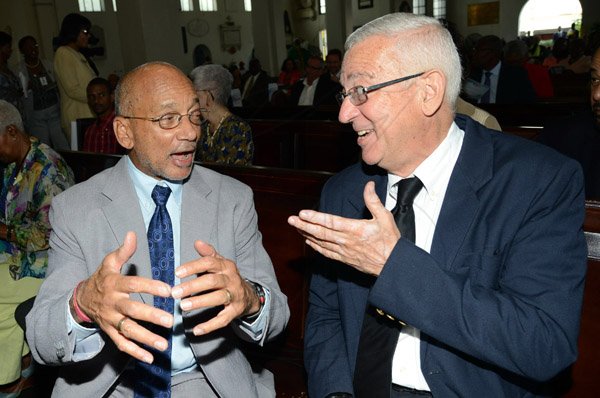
(422, 44)
(214, 78)
(9, 114)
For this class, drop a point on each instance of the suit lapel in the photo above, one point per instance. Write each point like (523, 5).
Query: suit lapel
(472, 170)
(123, 214)
(198, 215)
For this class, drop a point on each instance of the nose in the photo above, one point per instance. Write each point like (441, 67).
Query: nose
(348, 111)
(187, 130)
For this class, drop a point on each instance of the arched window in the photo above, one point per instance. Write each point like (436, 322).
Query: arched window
(545, 16)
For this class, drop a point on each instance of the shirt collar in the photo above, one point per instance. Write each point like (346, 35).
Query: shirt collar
(436, 164)
(144, 184)
(496, 69)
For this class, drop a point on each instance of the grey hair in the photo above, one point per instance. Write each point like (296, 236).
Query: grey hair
(422, 44)
(215, 79)
(9, 114)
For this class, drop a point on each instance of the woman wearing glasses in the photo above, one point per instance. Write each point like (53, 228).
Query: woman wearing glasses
(225, 137)
(73, 72)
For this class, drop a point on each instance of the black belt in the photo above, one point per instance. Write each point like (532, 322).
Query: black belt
(411, 391)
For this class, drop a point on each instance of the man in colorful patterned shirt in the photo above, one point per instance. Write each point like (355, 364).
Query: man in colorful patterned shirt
(100, 136)
(33, 174)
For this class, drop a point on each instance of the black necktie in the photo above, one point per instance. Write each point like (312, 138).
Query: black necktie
(154, 380)
(379, 334)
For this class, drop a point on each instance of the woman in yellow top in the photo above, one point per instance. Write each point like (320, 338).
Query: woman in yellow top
(72, 70)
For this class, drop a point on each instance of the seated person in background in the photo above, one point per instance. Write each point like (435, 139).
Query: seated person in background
(578, 62)
(333, 63)
(507, 84)
(32, 175)
(10, 86)
(579, 136)
(100, 316)
(288, 76)
(100, 136)
(225, 138)
(42, 102)
(255, 85)
(559, 56)
(316, 88)
(516, 53)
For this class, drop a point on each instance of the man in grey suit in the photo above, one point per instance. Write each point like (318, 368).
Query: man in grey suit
(95, 310)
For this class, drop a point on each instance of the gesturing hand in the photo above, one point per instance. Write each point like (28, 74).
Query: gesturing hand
(218, 283)
(104, 297)
(362, 244)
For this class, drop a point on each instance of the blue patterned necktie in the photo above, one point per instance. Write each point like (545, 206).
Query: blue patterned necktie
(154, 380)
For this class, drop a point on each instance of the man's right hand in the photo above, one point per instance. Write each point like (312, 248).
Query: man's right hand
(104, 297)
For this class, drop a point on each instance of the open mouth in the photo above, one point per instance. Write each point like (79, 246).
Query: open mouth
(364, 133)
(183, 157)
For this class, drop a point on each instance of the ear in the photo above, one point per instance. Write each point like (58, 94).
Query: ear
(12, 131)
(122, 129)
(433, 92)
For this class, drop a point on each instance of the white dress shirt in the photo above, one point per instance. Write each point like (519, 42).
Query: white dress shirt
(434, 172)
(308, 93)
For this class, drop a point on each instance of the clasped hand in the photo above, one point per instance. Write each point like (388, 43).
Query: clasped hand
(104, 297)
(362, 244)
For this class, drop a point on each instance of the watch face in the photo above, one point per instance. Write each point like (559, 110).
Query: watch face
(197, 27)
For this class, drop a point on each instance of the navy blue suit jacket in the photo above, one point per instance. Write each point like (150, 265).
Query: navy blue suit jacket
(497, 300)
(514, 86)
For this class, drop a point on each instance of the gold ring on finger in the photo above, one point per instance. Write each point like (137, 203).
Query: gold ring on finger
(120, 324)
(229, 297)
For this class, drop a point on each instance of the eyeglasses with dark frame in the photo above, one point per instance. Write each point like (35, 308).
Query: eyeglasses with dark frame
(358, 94)
(171, 120)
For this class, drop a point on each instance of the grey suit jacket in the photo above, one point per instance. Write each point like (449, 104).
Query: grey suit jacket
(91, 219)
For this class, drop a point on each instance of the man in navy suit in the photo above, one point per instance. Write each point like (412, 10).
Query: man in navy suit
(488, 297)
(508, 84)
(317, 87)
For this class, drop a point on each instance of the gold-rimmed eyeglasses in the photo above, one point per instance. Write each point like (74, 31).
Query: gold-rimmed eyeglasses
(358, 94)
(169, 121)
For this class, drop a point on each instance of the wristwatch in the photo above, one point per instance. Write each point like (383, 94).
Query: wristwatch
(260, 293)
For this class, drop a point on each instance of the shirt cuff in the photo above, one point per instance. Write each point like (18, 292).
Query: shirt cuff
(256, 328)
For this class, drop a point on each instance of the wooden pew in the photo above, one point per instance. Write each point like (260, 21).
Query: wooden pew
(280, 193)
(304, 144)
(536, 114)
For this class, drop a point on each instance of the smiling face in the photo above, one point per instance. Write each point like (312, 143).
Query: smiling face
(389, 123)
(159, 153)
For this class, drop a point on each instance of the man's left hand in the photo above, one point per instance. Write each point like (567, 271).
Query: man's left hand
(218, 283)
(362, 244)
